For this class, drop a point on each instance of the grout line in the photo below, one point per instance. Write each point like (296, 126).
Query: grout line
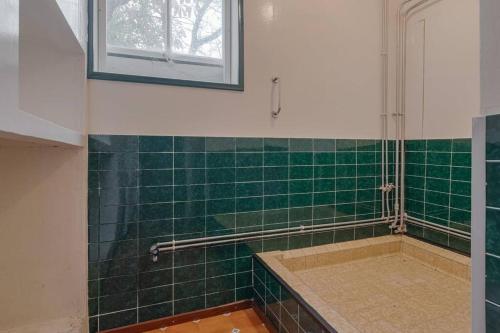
(450, 194)
(493, 303)
(139, 212)
(173, 227)
(493, 255)
(425, 185)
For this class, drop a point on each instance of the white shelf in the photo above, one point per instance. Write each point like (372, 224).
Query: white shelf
(47, 77)
(23, 126)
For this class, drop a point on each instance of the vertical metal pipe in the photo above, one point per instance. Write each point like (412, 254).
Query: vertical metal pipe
(384, 54)
(404, 15)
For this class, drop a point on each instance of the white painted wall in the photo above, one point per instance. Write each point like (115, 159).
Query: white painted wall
(43, 239)
(443, 90)
(9, 56)
(327, 53)
(75, 12)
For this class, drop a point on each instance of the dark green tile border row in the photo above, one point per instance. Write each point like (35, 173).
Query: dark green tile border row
(438, 188)
(493, 224)
(287, 311)
(147, 189)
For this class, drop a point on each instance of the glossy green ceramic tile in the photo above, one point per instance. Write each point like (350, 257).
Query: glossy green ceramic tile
(300, 214)
(415, 145)
(317, 172)
(156, 194)
(493, 184)
(439, 158)
(249, 144)
(439, 171)
(249, 159)
(156, 144)
(304, 172)
(493, 231)
(462, 159)
(461, 188)
(189, 176)
(220, 160)
(415, 157)
(276, 187)
(249, 204)
(437, 198)
(249, 174)
(345, 157)
(301, 158)
(493, 279)
(301, 186)
(189, 144)
(220, 175)
(493, 137)
(276, 145)
(325, 145)
(462, 217)
(301, 145)
(492, 318)
(251, 189)
(276, 159)
(144, 190)
(156, 160)
(189, 160)
(461, 173)
(346, 145)
(324, 185)
(462, 145)
(189, 192)
(438, 186)
(118, 161)
(367, 145)
(221, 145)
(439, 145)
(113, 143)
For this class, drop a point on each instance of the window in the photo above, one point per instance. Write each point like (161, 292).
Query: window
(179, 42)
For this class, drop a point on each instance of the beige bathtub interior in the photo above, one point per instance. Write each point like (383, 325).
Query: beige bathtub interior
(385, 284)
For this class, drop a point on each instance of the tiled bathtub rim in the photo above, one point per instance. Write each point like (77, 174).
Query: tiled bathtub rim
(437, 244)
(296, 295)
(272, 262)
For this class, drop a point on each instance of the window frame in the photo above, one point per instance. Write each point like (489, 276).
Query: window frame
(95, 74)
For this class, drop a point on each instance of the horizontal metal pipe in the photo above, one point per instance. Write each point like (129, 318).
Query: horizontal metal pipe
(171, 246)
(260, 232)
(430, 225)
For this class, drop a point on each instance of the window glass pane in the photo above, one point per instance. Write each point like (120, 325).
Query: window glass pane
(176, 40)
(137, 24)
(197, 28)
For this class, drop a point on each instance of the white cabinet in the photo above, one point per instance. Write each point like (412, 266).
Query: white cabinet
(42, 73)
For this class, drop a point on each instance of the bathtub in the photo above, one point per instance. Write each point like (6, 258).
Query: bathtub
(384, 284)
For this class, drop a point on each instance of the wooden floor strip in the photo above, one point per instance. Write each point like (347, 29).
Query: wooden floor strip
(239, 315)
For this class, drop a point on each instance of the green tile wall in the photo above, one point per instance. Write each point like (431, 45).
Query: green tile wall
(284, 309)
(148, 189)
(438, 188)
(493, 224)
